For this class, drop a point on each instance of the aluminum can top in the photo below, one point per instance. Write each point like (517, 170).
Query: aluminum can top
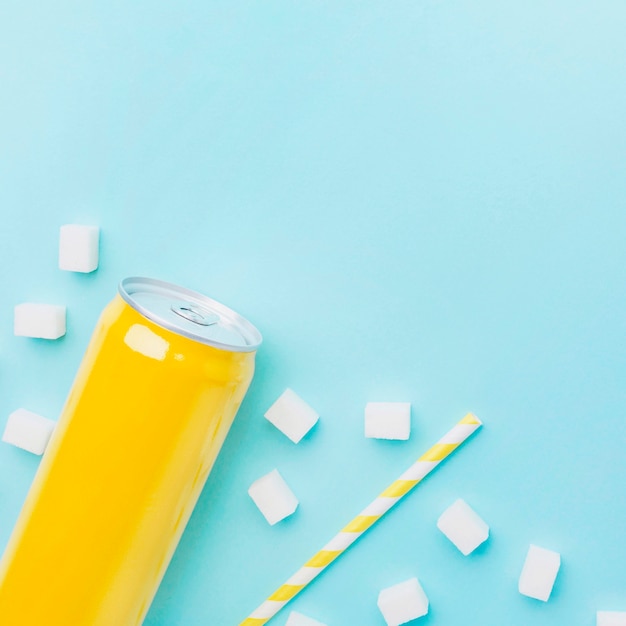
(190, 314)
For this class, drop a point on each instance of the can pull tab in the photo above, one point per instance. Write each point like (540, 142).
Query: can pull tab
(195, 313)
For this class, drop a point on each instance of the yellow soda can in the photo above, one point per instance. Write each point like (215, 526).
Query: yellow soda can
(154, 397)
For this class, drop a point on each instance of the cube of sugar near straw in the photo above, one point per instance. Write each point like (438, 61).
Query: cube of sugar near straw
(292, 415)
(28, 431)
(43, 321)
(297, 619)
(463, 527)
(611, 618)
(78, 248)
(403, 602)
(388, 420)
(273, 497)
(539, 573)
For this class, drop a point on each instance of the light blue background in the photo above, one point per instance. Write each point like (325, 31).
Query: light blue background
(414, 201)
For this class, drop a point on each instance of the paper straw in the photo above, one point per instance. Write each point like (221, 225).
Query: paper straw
(364, 520)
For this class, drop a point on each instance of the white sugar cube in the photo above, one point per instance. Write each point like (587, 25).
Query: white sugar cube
(611, 618)
(78, 248)
(297, 619)
(539, 573)
(44, 321)
(403, 602)
(388, 420)
(273, 497)
(463, 526)
(292, 415)
(28, 431)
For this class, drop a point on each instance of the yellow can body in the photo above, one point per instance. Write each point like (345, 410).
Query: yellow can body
(141, 429)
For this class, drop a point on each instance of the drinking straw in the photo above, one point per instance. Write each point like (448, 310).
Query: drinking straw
(364, 520)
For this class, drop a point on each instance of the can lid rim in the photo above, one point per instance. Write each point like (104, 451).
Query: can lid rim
(137, 284)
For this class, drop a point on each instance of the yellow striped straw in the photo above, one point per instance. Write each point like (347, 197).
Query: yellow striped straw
(364, 520)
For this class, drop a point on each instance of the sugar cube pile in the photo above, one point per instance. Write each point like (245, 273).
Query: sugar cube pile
(273, 497)
(42, 321)
(463, 526)
(79, 248)
(388, 420)
(403, 602)
(539, 573)
(292, 415)
(28, 430)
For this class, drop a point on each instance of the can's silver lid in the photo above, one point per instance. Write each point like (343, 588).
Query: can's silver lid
(190, 314)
